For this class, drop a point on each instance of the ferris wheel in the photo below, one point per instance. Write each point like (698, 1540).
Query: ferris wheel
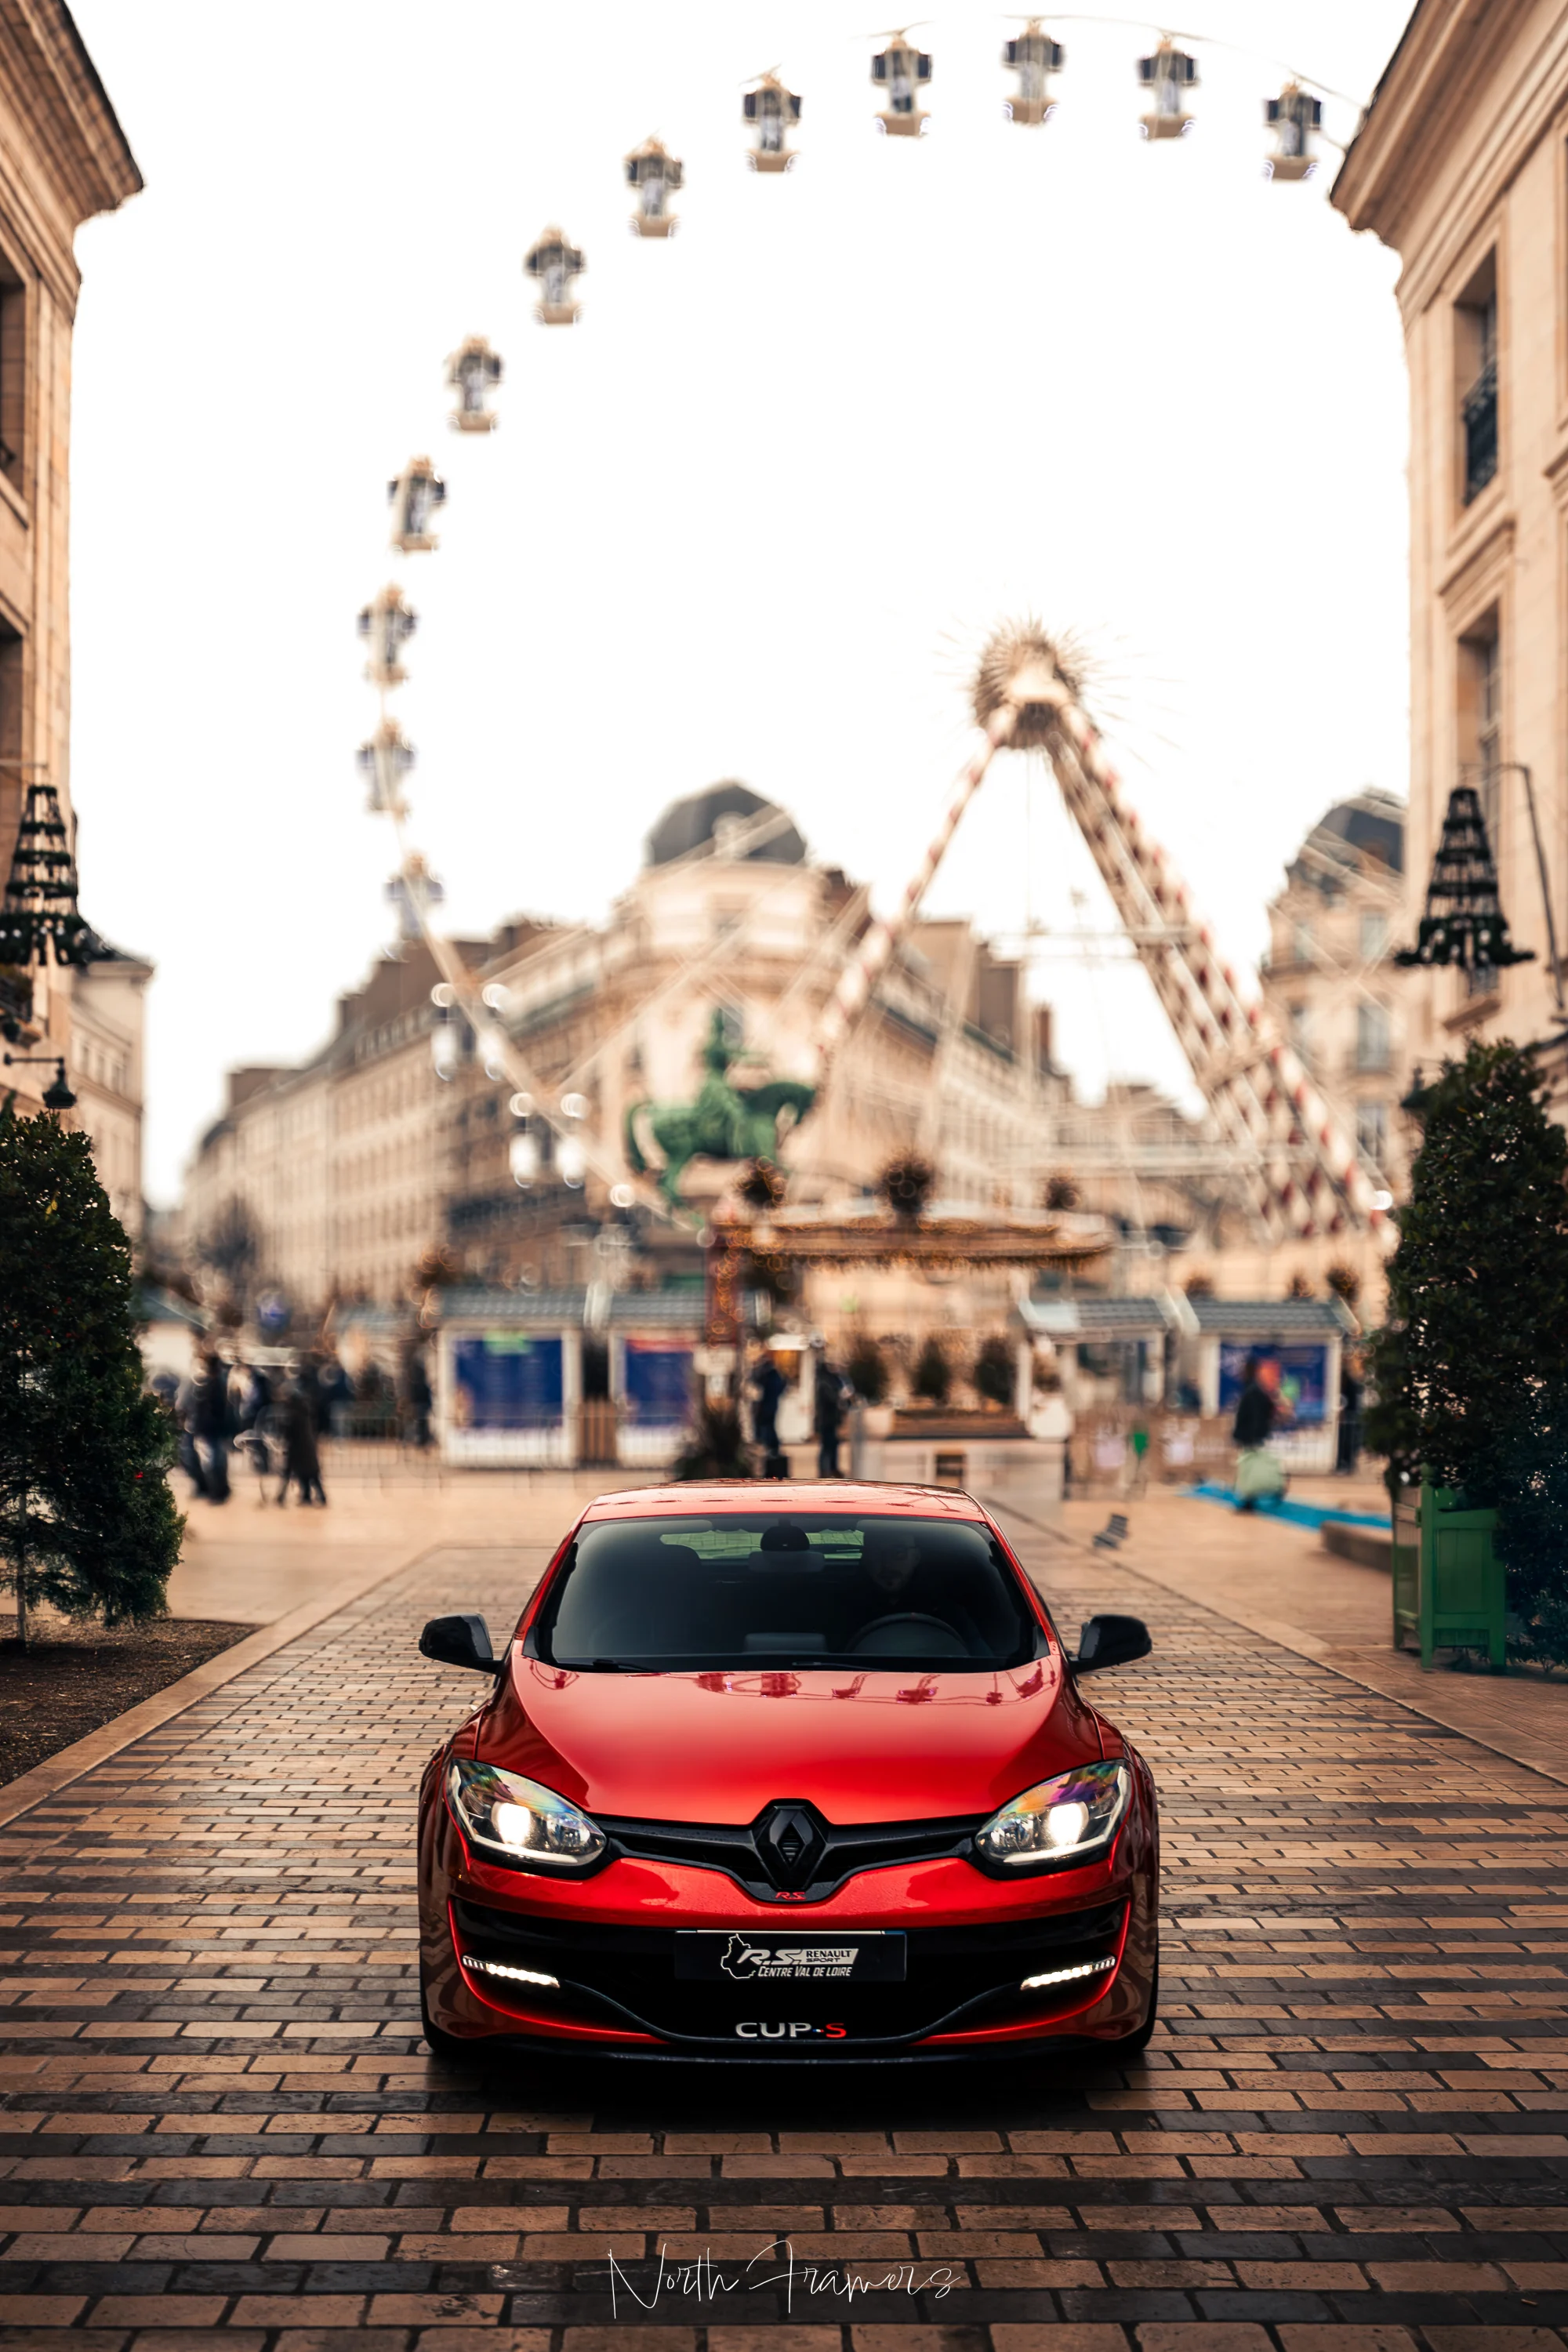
(1303, 1174)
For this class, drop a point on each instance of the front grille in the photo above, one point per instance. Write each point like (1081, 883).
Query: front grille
(791, 1852)
(957, 1976)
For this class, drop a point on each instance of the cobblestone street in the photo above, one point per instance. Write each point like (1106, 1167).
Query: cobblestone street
(1348, 2135)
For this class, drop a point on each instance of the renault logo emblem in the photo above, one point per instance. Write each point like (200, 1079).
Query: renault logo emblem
(791, 1843)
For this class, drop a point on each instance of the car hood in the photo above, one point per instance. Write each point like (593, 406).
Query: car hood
(718, 1746)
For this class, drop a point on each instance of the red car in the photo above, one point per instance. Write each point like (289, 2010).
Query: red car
(798, 1773)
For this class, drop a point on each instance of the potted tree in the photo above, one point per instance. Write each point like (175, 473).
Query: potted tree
(1471, 1367)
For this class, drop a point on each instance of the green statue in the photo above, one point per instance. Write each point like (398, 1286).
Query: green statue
(725, 1122)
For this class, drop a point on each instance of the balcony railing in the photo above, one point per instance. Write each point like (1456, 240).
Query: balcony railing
(1479, 414)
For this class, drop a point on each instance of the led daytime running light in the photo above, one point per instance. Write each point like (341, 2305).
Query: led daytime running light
(1066, 1976)
(517, 1976)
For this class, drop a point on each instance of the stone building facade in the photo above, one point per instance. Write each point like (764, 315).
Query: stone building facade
(104, 1062)
(1461, 166)
(63, 158)
(343, 1174)
(1331, 981)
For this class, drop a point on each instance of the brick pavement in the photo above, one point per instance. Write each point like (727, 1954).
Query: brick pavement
(221, 2130)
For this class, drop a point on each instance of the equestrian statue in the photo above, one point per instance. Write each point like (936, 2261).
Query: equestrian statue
(725, 1122)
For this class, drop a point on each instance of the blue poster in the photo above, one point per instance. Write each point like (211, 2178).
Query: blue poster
(658, 1383)
(1295, 1377)
(507, 1380)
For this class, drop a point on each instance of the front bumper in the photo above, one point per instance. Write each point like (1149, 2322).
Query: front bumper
(610, 1943)
(963, 1987)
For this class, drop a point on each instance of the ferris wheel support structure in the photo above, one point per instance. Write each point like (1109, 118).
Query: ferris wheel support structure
(1302, 1169)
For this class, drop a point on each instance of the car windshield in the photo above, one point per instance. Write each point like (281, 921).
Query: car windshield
(780, 1588)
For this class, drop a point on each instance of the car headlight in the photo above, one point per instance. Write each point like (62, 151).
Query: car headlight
(505, 1814)
(1068, 1820)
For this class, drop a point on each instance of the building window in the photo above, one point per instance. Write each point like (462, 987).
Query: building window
(1300, 1019)
(1371, 1132)
(1475, 351)
(1302, 950)
(1480, 746)
(13, 372)
(1373, 937)
(1372, 1037)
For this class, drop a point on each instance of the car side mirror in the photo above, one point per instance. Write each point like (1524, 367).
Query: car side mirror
(459, 1642)
(1111, 1642)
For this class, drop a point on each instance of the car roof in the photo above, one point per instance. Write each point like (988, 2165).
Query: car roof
(740, 1497)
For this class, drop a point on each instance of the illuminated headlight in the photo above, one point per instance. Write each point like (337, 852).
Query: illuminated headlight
(1067, 1975)
(502, 1813)
(1071, 1819)
(515, 1976)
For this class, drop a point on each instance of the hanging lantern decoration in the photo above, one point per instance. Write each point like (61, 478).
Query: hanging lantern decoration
(901, 72)
(384, 761)
(1293, 117)
(553, 263)
(386, 624)
(522, 1157)
(771, 109)
(1464, 923)
(1033, 57)
(489, 1044)
(473, 371)
(1167, 75)
(415, 496)
(571, 1162)
(445, 1047)
(656, 174)
(414, 891)
(38, 918)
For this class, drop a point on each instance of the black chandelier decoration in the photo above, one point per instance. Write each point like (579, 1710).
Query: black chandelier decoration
(1464, 923)
(40, 914)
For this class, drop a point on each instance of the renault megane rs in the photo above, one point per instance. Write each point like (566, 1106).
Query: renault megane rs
(799, 1773)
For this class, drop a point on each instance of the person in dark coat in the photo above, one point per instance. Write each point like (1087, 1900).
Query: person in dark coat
(301, 1462)
(212, 1426)
(1255, 1409)
(1348, 1449)
(827, 1417)
(419, 1400)
(766, 1388)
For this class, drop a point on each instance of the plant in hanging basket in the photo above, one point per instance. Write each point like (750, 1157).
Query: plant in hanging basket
(866, 1370)
(994, 1374)
(906, 1184)
(762, 1186)
(1062, 1192)
(1344, 1282)
(932, 1381)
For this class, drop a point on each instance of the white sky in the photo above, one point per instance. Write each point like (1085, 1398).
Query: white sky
(751, 517)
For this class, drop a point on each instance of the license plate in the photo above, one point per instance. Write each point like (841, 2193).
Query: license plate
(858, 1956)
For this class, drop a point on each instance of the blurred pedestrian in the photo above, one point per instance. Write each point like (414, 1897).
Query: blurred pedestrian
(1260, 1475)
(1348, 1448)
(211, 1426)
(334, 1390)
(301, 1461)
(830, 1402)
(188, 1452)
(416, 1389)
(766, 1388)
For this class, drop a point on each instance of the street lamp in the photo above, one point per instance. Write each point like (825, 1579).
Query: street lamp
(58, 1096)
(1464, 922)
(1517, 767)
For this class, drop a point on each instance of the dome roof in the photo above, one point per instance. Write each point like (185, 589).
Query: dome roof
(689, 824)
(1371, 825)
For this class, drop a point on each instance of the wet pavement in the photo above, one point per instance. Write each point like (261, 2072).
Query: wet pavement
(1349, 2135)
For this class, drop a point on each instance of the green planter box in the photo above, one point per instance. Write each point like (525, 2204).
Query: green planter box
(1449, 1587)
